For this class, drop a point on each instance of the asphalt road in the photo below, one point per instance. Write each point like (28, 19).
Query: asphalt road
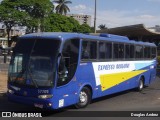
(147, 100)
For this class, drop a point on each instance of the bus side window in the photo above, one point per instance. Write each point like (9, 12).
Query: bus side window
(127, 52)
(147, 52)
(62, 68)
(62, 72)
(121, 51)
(85, 50)
(115, 51)
(68, 61)
(93, 49)
(88, 50)
(101, 50)
(108, 50)
(132, 51)
(153, 54)
(138, 52)
(118, 51)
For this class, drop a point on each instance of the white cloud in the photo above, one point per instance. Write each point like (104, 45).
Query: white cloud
(81, 9)
(146, 16)
(116, 18)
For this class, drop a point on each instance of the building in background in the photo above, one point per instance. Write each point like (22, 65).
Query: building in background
(136, 32)
(82, 19)
(3, 36)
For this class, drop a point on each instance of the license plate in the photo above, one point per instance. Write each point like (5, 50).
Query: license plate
(38, 105)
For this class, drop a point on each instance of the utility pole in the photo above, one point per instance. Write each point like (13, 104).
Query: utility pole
(95, 14)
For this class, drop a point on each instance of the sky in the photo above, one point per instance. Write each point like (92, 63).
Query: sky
(116, 13)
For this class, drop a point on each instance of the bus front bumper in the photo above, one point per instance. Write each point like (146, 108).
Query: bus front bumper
(32, 101)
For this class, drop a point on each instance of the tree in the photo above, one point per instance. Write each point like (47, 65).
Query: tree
(37, 10)
(62, 7)
(102, 26)
(10, 16)
(29, 13)
(84, 28)
(92, 30)
(60, 23)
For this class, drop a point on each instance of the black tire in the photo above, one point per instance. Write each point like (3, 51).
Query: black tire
(84, 98)
(140, 84)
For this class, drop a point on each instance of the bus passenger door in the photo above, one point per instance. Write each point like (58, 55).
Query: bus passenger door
(66, 82)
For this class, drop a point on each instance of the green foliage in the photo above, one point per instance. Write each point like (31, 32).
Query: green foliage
(92, 29)
(31, 13)
(10, 15)
(84, 28)
(38, 14)
(37, 8)
(37, 11)
(60, 23)
(102, 26)
(75, 23)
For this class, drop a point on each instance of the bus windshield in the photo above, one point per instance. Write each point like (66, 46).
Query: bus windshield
(33, 62)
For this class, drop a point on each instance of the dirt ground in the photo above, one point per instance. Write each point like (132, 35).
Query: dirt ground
(3, 82)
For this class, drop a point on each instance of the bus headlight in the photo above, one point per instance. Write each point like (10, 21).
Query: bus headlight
(45, 96)
(10, 91)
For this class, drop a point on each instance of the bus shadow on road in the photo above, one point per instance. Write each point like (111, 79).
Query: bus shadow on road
(112, 96)
(134, 90)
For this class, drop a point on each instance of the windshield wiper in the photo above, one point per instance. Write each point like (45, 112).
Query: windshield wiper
(27, 69)
(30, 73)
(20, 74)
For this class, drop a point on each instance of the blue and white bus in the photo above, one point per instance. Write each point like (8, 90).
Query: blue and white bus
(55, 70)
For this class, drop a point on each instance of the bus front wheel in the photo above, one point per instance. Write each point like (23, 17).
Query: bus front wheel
(84, 98)
(140, 84)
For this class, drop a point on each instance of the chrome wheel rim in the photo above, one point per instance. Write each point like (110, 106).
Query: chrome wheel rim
(83, 97)
(141, 85)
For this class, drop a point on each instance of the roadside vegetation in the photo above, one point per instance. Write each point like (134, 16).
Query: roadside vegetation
(39, 16)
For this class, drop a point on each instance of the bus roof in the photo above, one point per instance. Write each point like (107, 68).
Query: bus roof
(101, 37)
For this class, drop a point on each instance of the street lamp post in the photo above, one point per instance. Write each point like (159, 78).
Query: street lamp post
(95, 14)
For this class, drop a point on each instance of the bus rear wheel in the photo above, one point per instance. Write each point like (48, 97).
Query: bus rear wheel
(140, 84)
(84, 98)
